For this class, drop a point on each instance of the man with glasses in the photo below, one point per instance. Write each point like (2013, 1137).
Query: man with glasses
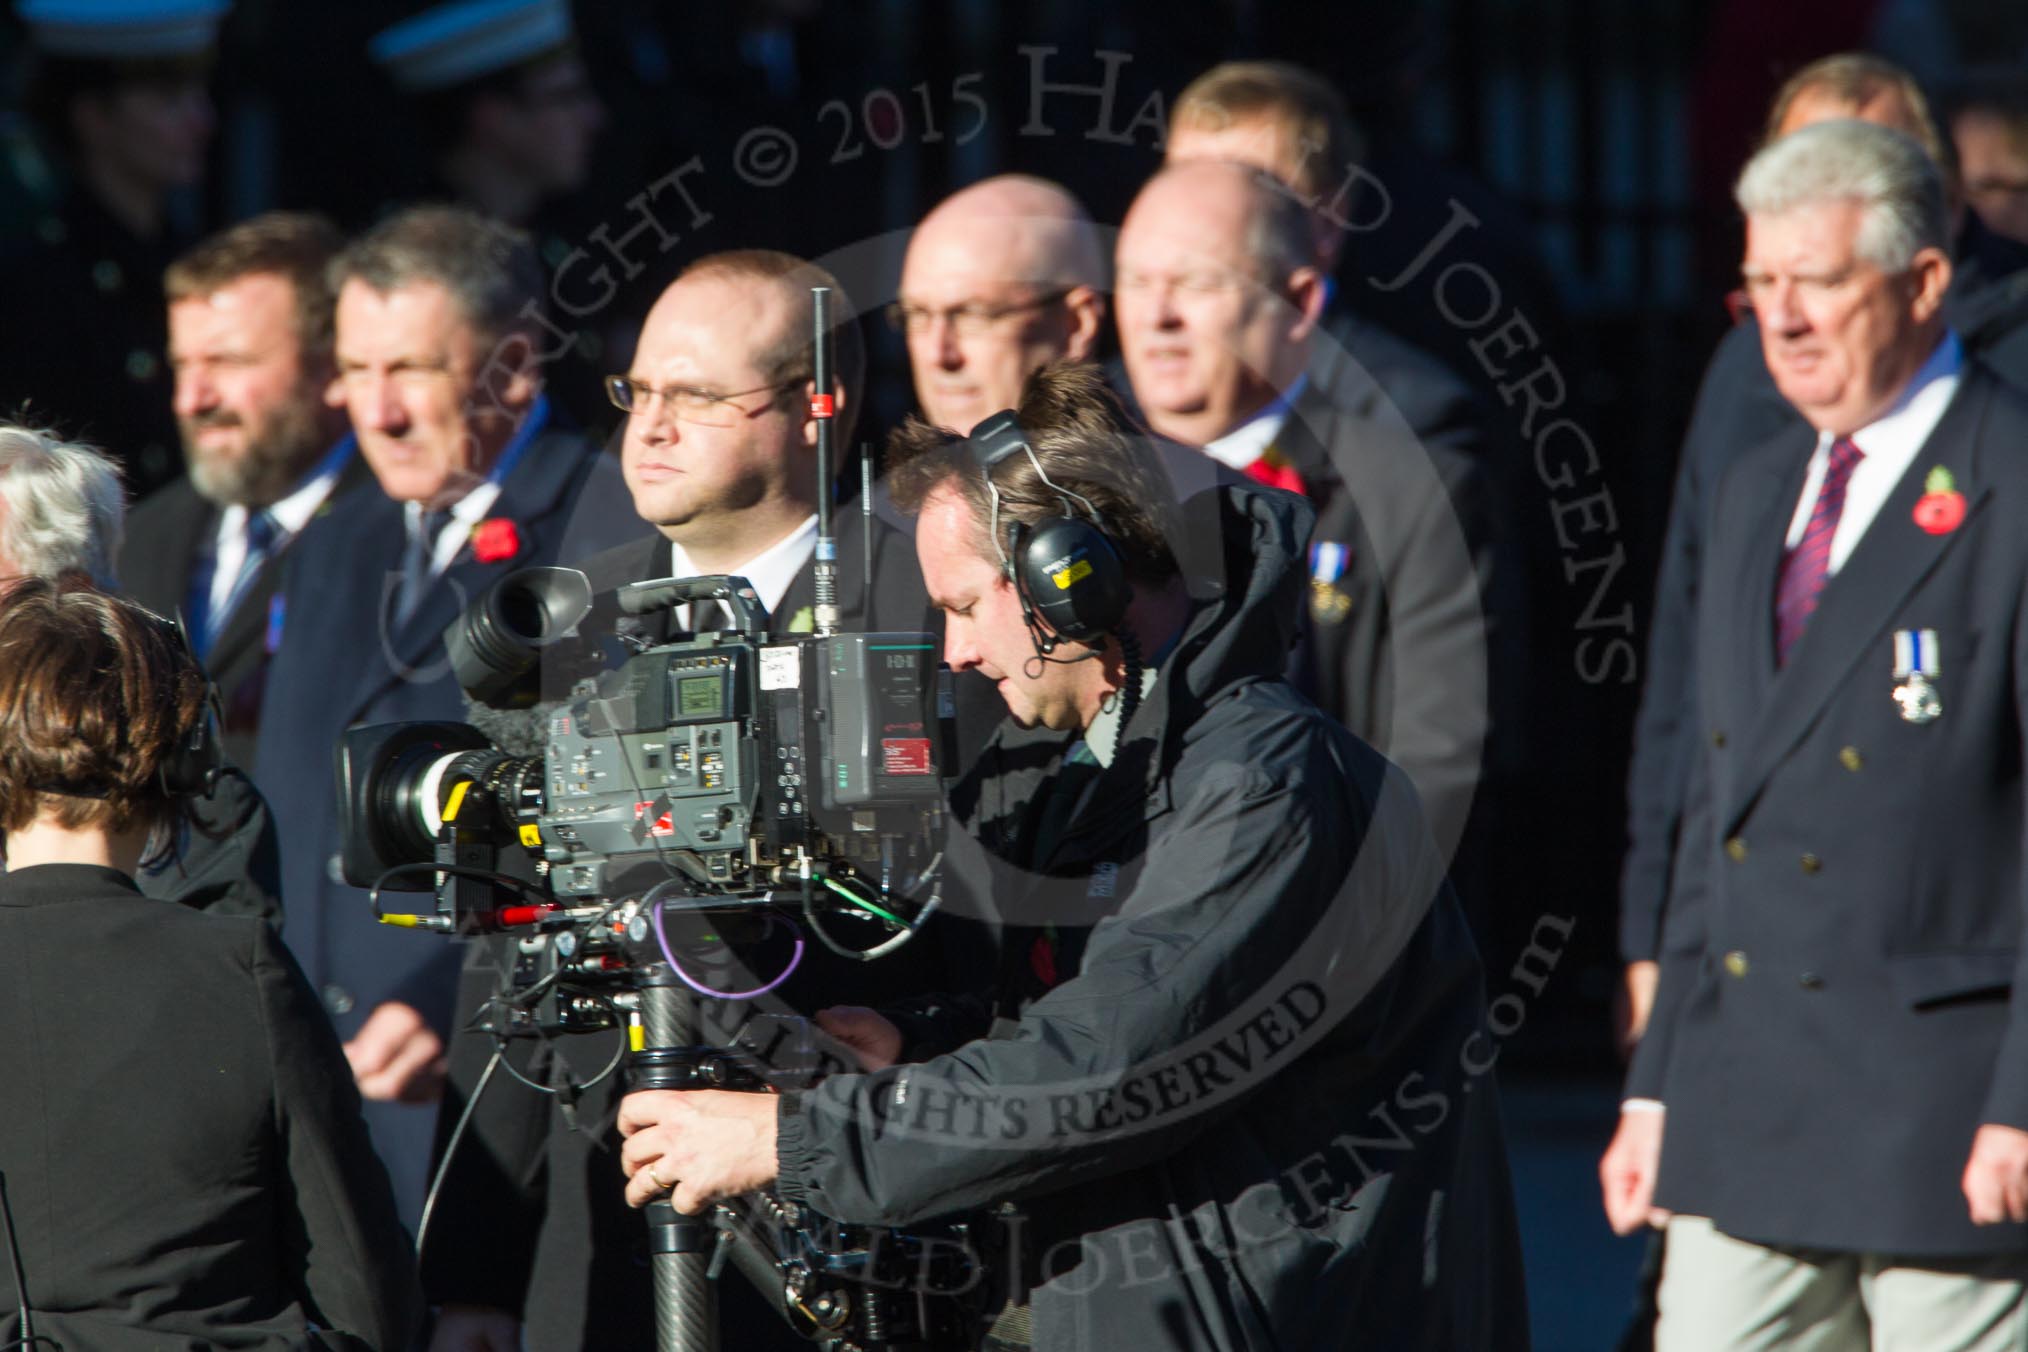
(720, 442)
(1001, 279)
(719, 453)
(474, 479)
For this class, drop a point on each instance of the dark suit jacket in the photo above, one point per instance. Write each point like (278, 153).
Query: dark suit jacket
(1358, 358)
(1401, 647)
(182, 1145)
(562, 1251)
(343, 662)
(1737, 409)
(166, 536)
(1834, 1019)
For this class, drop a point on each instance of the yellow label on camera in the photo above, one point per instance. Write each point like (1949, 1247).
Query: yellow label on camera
(531, 836)
(1076, 572)
(457, 800)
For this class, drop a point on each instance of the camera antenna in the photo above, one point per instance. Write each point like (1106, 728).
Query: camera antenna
(823, 407)
(866, 533)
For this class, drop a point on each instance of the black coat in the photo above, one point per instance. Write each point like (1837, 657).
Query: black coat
(182, 1147)
(344, 662)
(1738, 408)
(229, 860)
(166, 537)
(532, 1218)
(1261, 971)
(1835, 1017)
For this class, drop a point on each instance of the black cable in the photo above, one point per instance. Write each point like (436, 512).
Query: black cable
(422, 1228)
(521, 885)
(1130, 693)
(28, 1338)
(824, 938)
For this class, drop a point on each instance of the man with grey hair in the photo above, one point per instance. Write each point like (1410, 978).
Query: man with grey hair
(475, 477)
(1829, 1108)
(1001, 279)
(62, 511)
(1739, 406)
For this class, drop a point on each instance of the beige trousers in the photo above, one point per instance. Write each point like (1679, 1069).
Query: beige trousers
(1721, 1294)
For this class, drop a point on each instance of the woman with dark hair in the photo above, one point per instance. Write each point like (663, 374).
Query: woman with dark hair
(182, 1160)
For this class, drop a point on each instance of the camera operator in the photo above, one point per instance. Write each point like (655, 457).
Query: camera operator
(62, 511)
(1231, 1082)
(718, 450)
(241, 1205)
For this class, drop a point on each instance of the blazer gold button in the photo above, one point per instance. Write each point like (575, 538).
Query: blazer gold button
(1810, 981)
(1735, 963)
(1736, 849)
(1849, 758)
(1811, 863)
(337, 999)
(1718, 739)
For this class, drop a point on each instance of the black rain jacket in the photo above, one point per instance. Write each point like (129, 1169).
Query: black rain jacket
(1238, 1093)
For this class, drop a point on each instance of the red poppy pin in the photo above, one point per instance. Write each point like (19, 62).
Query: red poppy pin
(495, 540)
(1941, 508)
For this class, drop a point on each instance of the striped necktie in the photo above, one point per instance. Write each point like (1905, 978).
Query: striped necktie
(1807, 567)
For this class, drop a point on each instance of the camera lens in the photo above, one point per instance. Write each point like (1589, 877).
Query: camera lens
(496, 646)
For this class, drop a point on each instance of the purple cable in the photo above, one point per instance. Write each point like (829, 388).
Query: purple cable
(795, 961)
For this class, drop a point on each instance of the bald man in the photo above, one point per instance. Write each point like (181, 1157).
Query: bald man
(1001, 279)
(1219, 298)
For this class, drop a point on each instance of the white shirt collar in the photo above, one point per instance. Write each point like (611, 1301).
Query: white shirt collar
(1249, 441)
(291, 514)
(1889, 445)
(771, 571)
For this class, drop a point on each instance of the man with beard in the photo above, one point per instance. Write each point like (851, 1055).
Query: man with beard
(250, 345)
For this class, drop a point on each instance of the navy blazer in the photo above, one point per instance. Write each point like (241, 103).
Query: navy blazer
(1737, 409)
(1835, 1018)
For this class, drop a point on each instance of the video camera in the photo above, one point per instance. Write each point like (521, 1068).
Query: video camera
(753, 768)
(680, 801)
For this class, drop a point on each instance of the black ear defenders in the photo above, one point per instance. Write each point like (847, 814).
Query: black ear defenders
(1064, 568)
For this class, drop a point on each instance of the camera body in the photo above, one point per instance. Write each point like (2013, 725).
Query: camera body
(741, 761)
